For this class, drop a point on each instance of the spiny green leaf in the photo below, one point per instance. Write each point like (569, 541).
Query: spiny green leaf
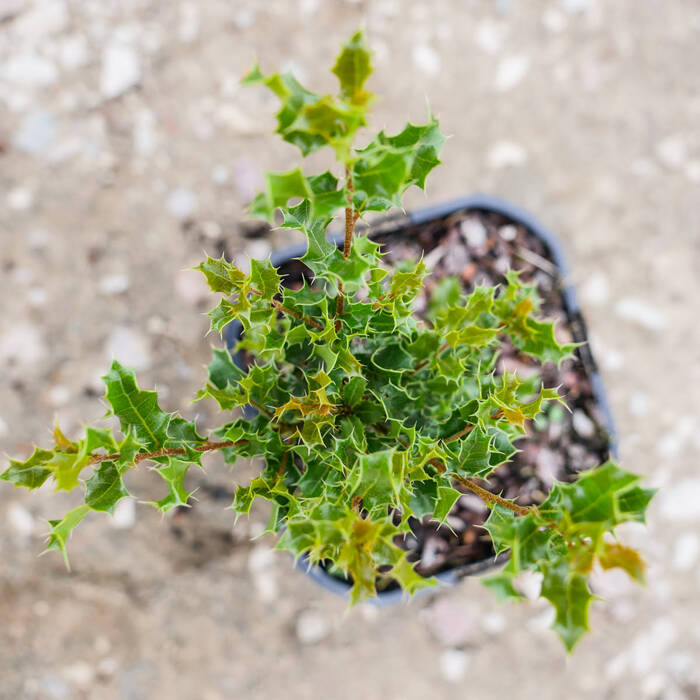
(352, 68)
(105, 488)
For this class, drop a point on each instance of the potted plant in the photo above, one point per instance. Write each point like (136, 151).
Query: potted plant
(378, 396)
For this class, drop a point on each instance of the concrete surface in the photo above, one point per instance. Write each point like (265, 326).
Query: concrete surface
(127, 147)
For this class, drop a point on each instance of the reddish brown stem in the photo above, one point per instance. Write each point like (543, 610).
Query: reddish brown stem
(168, 452)
(290, 312)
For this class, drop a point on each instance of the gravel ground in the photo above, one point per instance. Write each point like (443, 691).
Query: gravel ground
(127, 147)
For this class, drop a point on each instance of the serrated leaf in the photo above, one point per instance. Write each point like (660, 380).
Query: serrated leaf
(105, 488)
(614, 555)
(352, 68)
(137, 410)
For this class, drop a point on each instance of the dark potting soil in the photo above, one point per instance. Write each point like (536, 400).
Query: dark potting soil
(479, 247)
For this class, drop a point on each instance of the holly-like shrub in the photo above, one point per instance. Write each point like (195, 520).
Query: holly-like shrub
(365, 414)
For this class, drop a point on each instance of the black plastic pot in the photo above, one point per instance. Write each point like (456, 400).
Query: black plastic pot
(423, 216)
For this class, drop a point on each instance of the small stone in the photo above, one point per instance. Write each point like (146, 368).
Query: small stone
(456, 524)
(511, 70)
(686, 551)
(145, 136)
(42, 20)
(489, 36)
(672, 152)
(20, 198)
(21, 343)
(73, 52)
(55, 688)
(450, 623)
(505, 154)
(80, 674)
(59, 395)
(4, 428)
(265, 584)
(41, 608)
(191, 286)
(582, 424)
(639, 312)
(120, 71)
(102, 645)
(454, 664)
(220, 175)
(36, 133)
(638, 403)
(260, 557)
(188, 29)
(596, 289)
(473, 232)
(426, 59)
(692, 170)
(20, 520)
(128, 347)
(37, 239)
(493, 622)
(574, 6)
(244, 19)
(211, 229)
(508, 232)
(29, 70)
(182, 202)
(311, 627)
(111, 285)
(107, 667)
(124, 515)
(554, 21)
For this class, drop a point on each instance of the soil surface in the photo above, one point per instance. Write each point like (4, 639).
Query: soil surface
(127, 147)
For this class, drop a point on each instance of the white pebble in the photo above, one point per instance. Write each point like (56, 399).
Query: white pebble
(4, 428)
(596, 289)
(111, 285)
(189, 22)
(124, 515)
(454, 664)
(692, 170)
(311, 627)
(506, 154)
(574, 6)
(258, 249)
(29, 70)
(59, 395)
(73, 52)
(36, 133)
(686, 551)
(45, 18)
(489, 36)
(638, 403)
(182, 202)
(426, 59)
(220, 174)
(266, 586)
(450, 622)
(511, 70)
(493, 622)
(20, 198)
(20, 519)
(508, 232)
(474, 232)
(672, 152)
(80, 674)
(583, 425)
(639, 312)
(120, 71)
(21, 343)
(129, 347)
(554, 21)
(260, 557)
(107, 666)
(544, 620)
(680, 502)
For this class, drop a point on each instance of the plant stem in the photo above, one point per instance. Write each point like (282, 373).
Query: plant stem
(492, 497)
(350, 219)
(291, 312)
(168, 451)
(465, 431)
